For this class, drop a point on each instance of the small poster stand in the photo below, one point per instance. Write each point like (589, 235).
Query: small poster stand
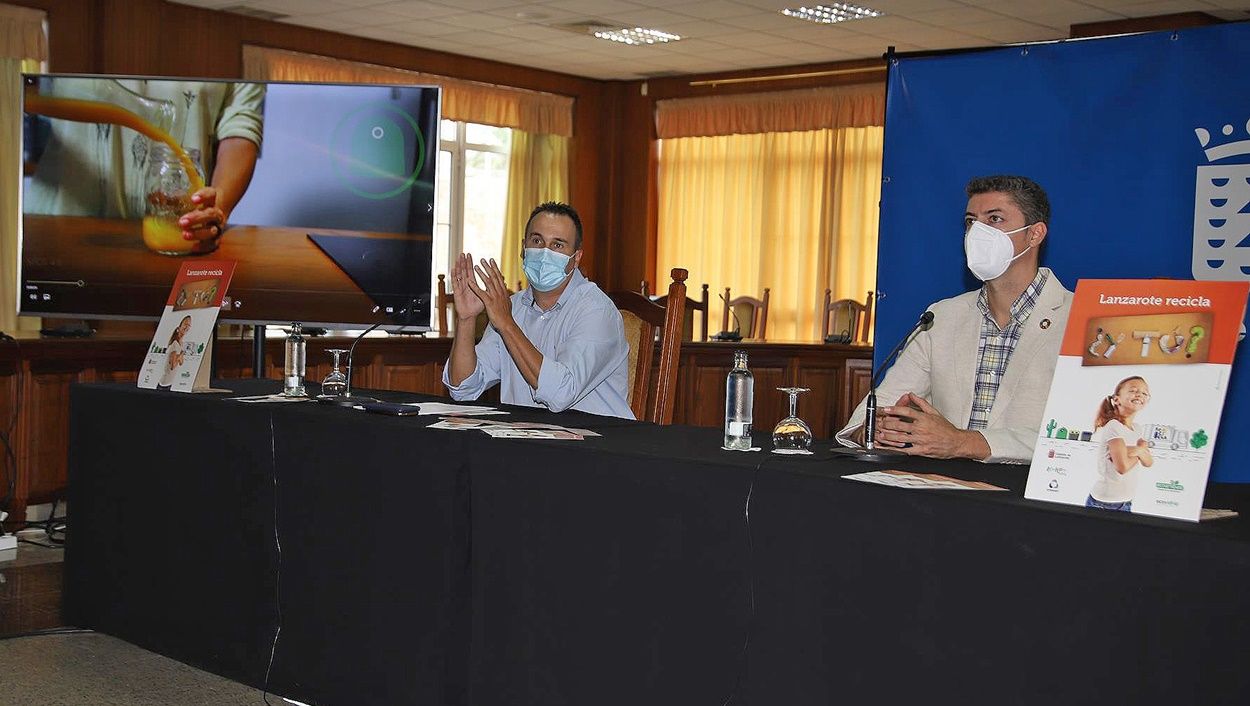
(179, 358)
(1134, 409)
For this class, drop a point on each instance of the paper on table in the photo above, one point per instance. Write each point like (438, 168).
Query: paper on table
(459, 423)
(922, 481)
(1209, 513)
(277, 397)
(489, 426)
(463, 410)
(504, 433)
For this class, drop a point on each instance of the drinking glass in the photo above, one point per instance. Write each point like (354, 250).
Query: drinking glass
(792, 435)
(335, 383)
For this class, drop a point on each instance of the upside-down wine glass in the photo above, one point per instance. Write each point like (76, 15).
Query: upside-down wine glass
(792, 435)
(335, 383)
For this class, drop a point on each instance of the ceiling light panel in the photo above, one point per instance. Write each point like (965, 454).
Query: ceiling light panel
(635, 36)
(832, 13)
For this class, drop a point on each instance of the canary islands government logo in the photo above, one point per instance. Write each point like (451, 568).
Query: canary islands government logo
(1222, 206)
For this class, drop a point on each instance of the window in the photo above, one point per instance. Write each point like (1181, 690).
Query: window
(471, 192)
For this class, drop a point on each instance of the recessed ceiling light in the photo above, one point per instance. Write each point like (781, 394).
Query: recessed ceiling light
(634, 35)
(831, 13)
(254, 12)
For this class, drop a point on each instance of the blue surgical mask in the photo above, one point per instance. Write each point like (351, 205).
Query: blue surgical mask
(544, 268)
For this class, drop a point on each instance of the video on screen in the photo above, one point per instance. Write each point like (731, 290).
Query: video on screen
(323, 194)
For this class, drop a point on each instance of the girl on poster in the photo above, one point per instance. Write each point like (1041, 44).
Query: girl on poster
(1123, 447)
(174, 355)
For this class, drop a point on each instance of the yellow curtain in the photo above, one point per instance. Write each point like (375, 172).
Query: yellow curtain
(857, 105)
(538, 171)
(465, 101)
(792, 211)
(23, 44)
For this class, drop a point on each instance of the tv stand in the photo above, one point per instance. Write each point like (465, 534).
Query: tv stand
(71, 329)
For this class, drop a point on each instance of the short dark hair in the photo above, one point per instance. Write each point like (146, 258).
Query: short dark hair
(1028, 195)
(557, 208)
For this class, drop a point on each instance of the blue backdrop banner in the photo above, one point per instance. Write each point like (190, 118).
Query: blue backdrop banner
(1142, 143)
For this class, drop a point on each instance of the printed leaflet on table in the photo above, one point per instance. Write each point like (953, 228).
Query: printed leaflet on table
(185, 331)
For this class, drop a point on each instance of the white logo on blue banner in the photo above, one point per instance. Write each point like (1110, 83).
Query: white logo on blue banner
(1222, 207)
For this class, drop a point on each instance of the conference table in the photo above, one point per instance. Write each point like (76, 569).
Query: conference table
(334, 556)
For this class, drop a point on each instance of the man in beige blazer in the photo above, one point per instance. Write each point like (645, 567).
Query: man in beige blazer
(974, 384)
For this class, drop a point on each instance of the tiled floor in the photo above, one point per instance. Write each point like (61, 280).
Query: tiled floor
(30, 586)
(85, 668)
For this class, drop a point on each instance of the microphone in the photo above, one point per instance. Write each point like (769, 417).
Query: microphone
(347, 399)
(925, 322)
(734, 335)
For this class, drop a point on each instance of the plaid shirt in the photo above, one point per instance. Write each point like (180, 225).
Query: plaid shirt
(996, 346)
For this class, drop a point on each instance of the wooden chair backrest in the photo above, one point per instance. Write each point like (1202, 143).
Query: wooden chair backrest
(643, 320)
(855, 316)
(692, 305)
(749, 310)
(443, 302)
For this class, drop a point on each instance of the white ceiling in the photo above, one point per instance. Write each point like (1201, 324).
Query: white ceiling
(718, 35)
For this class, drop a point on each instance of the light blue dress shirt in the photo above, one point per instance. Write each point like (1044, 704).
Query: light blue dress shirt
(585, 357)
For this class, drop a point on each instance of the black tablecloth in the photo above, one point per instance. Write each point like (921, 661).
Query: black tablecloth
(644, 566)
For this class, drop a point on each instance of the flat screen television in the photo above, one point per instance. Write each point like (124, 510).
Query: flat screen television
(333, 228)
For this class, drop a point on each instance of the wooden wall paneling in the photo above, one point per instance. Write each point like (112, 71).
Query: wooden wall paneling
(634, 197)
(233, 357)
(821, 368)
(133, 37)
(770, 405)
(705, 405)
(611, 251)
(119, 374)
(1157, 23)
(820, 407)
(584, 167)
(9, 381)
(680, 86)
(43, 431)
(368, 369)
(854, 388)
(117, 362)
(426, 378)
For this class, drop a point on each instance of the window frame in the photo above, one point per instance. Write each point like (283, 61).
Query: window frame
(457, 147)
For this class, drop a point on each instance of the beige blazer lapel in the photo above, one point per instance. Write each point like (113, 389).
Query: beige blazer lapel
(963, 359)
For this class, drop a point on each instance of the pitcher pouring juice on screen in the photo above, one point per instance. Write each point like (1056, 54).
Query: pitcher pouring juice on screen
(131, 149)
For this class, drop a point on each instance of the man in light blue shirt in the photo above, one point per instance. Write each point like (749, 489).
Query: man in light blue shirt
(559, 343)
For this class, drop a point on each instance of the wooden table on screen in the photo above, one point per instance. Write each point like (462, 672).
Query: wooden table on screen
(282, 266)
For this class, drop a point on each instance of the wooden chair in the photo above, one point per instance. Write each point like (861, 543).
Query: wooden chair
(846, 320)
(643, 319)
(444, 303)
(692, 305)
(749, 310)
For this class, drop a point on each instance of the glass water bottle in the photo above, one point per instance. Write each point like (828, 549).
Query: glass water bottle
(293, 370)
(739, 401)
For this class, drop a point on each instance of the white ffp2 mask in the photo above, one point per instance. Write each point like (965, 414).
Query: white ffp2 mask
(989, 250)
